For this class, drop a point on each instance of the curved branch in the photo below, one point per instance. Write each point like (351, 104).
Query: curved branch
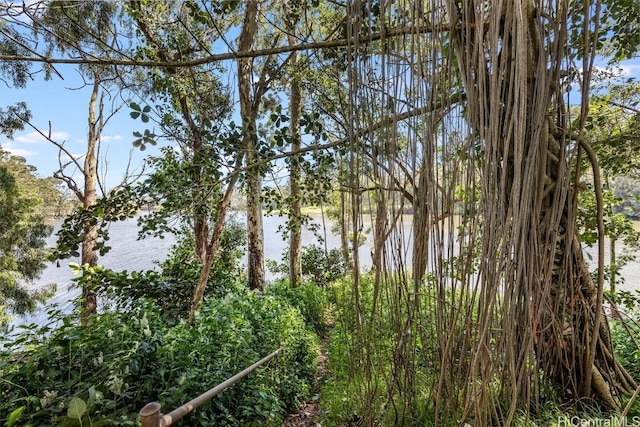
(51, 140)
(385, 121)
(593, 160)
(326, 44)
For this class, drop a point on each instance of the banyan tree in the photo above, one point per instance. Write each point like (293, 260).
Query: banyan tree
(470, 114)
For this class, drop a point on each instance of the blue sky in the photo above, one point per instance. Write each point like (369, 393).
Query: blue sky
(64, 105)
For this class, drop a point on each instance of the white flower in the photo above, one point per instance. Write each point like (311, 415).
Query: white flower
(97, 361)
(144, 323)
(49, 396)
(115, 385)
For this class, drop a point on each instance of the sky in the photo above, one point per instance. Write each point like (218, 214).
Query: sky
(63, 104)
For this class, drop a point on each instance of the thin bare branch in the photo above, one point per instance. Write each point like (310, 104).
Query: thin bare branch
(327, 44)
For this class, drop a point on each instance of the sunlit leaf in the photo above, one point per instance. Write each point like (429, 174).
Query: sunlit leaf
(14, 416)
(77, 408)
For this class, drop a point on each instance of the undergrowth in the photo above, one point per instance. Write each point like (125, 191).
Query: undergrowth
(354, 393)
(102, 374)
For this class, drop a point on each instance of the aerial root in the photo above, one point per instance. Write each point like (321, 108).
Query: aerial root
(601, 388)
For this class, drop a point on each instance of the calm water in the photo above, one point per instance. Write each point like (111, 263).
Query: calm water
(129, 253)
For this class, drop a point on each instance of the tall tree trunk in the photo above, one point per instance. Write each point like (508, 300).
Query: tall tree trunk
(196, 139)
(248, 111)
(200, 210)
(295, 216)
(212, 247)
(343, 221)
(89, 255)
(422, 213)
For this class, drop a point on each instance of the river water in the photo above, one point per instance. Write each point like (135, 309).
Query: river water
(129, 253)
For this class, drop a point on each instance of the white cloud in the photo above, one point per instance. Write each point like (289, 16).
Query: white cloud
(630, 69)
(109, 138)
(11, 148)
(35, 137)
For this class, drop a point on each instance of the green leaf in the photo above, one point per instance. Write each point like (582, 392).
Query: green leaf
(14, 416)
(134, 106)
(77, 408)
(92, 395)
(146, 109)
(145, 118)
(134, 114)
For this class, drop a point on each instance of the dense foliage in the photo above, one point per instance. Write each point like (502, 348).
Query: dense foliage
(126, 359)
(345, 394)
(459, 113)
(321, 266)
(171, 287)
(22, 236)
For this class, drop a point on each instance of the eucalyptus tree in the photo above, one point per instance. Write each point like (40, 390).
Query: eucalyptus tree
(249, 97)
(292, 17)
(191, 104)
(85, 30)
(197, 30)
(23, 234)
(193, 109)
(309, 177)
(266, 25)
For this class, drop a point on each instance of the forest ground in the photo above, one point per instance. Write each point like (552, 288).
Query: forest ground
(310, 412)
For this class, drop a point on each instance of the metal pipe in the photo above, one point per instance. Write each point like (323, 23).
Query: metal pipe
(151, 417)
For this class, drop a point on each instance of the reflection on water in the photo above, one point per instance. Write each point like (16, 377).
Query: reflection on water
(129, 253)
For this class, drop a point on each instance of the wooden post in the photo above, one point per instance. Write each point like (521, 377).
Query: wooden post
(150, 415)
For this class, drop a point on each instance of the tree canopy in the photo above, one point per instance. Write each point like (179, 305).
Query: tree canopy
(23, 234)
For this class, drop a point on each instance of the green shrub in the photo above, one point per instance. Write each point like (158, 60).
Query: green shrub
(242, 328)
(343, 395)
(182, 269)
(102, 374)
(68, 374)
(311, 300)
(318, 265)
(624, 334)
(172, 288)
(366, 370)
